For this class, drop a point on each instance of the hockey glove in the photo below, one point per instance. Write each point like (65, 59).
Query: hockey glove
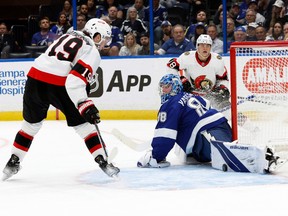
(222, 91)
(147, 161)
(186, 84)
(89, 112)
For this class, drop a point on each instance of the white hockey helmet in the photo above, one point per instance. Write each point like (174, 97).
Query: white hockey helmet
(97, 26)
(204, 39)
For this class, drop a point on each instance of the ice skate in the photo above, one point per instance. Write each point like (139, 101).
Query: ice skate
(275, 162)
(109, 169)
(12, 167)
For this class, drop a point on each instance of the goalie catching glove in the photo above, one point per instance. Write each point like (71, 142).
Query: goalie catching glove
(147, 161)
(89, 112)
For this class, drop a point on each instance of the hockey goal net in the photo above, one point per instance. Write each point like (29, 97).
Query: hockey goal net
(259, 92)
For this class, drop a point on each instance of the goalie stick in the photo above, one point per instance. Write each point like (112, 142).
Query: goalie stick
(129, 142)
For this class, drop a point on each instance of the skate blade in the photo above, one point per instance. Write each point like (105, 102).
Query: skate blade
(115, 177)
(6, 176)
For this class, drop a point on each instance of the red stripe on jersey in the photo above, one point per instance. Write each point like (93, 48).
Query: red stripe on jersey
(95, 148)
(46, 77)
(223, 77)
(22, 133)
(20, 147)
(75, 73)
(91, 135)
(85, 65)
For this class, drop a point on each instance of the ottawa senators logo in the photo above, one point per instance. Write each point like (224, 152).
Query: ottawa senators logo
(202, 83)
(219, 57)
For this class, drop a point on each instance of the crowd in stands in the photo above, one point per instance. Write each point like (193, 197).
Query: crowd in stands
(247, 20)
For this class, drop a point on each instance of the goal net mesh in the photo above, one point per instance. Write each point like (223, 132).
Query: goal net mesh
(259, 92)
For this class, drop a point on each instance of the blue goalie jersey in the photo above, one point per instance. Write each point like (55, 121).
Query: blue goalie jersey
(180, 120)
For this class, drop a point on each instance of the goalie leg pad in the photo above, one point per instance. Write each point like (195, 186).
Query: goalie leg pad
(238, 157)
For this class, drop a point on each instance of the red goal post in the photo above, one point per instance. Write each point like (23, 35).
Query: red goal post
(259, 89)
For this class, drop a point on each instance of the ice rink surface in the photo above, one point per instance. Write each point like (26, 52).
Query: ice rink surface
(59, 177)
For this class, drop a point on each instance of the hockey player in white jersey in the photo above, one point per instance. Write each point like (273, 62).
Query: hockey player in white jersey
(204, 73)
(201, 132)
(61, 77)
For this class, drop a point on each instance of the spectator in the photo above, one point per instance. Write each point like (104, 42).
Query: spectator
(265, 8)
(195, 6)
(167, 31)
(83, 9)
(201, 17)
(260, 33)
(81, 21)
(62, 25)
(112, 14)
(91, 9)
(130, 46)
(133, 24)
(230, 30)
(235, 14)
(178, 44)
(144, 49)
(277, 32)
(160, 14)
(44, 37)
(139, 5)
(117, 40)
(251, 31)
(217, 44)
(253, 5)
(6, 41)
(218, 17)
(219, 26)
(277, 13)
(103, 10)
(199, 29)
(285, 31)
(250, 17)
(240, 34)
(68, 11)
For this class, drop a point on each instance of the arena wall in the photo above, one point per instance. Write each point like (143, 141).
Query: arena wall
(128, 88)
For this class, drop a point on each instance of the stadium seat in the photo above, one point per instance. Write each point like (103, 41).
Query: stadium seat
(20, 55)
(35, 50)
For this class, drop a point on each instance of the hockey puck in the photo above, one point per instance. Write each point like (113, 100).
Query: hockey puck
(224, 167)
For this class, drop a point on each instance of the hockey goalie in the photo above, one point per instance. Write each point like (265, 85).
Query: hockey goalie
(202, 133)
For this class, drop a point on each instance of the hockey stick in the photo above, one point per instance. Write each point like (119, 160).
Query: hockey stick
(114, 151)
(129, 142)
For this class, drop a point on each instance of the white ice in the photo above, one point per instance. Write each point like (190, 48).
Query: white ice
(59, 177)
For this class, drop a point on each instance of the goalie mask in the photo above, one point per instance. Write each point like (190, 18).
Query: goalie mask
(97, 26)
(169, 86)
